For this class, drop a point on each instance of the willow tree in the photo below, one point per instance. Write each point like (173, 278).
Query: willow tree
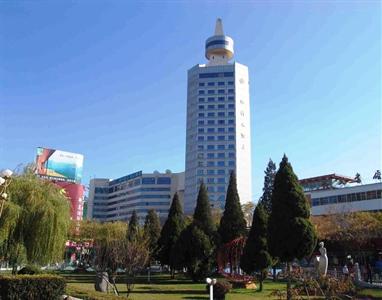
(35, 221)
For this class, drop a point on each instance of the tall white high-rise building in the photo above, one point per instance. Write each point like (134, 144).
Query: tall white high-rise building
(218, 138)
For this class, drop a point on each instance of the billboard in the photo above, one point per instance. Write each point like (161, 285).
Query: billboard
(59, 165)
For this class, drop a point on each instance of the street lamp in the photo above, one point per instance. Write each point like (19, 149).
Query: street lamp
(5, 179)
(211, 282)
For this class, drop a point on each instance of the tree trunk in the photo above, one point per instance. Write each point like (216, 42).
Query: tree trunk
(172, 272)
(289, 292)
(274, 274)
(261, 281)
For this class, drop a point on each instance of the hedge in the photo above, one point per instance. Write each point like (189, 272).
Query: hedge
(31, 287)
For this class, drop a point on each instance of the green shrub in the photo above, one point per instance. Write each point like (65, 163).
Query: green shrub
(221, 288)
(30, 287)
(29, 270)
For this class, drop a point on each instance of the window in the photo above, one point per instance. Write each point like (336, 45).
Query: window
(201, 130)
(200, 172)
(210, 172)
(231, 114)
(200, 147)
(200, 138)
(231, 146)
(200, 122)
(211, 106)
(148, 180)
(231, 98)
(221, 189)
(221, 106)
(231, 106)
(221, 114)
(211, 92)
(200, 155)
(220, 83)
(211, 99)
(221, 129)
(201, 83)
(210, 155)
(231, 137)
(210, 147)
(210, 130)
(164, 180)
(211, 189)
(221, 172)
(371, 195)
(215, 75)
(221, 137)
(221, 163)
(230, 82)
(210, 163)
(201, 100)
(221, 180)
(221, 122)
(200, 164)
(201, 92)
(315, 202)
(231, 91)
(210, 138)
(210, 180)
(211, 84)
(231, 121)
(221, 91)
(201, 107)
(231, 163)
(201, 115)
(221, 155)
(210, 122)
(231, 129)
(211, 114)
(231, 155)
(221, 99)
(220, 147)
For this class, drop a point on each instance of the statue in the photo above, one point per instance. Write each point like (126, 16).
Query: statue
(322, 260)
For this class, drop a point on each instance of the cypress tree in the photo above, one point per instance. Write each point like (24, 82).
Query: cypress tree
(255, 253)
(232, 224)
(170, 233)
(269, 178)
(152, 231)
(202, 214)
(132, 230)
(291, 234)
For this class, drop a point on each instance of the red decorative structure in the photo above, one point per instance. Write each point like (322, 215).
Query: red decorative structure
(228, 259)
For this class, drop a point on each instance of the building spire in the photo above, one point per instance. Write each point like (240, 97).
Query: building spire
(219, 27)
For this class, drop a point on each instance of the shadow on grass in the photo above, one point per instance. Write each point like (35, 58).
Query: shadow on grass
(166, 292)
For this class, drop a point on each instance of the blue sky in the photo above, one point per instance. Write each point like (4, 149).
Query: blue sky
(108, 79)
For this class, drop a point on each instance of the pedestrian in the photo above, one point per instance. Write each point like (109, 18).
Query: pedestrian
(345, 271)
(369, 270)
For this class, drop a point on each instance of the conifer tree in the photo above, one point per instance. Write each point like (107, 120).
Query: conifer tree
(152, 231)
(255, 253)
(202, 214)
(232, 224)
(132, 230)
(266, 198)
(291, 234)
(170, 233)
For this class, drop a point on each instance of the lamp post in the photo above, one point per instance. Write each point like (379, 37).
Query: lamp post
(211, 282)
(5, 177)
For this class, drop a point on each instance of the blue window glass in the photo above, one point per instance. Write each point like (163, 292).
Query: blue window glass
(200, 138)
(221, 180)
(200, 171)
(164, 180)
(221, 137)
(231, 137)
(220, 147)
(211, 189)
(221, 106)
(221, 172)
(201, 122)
(210, 172)
(210, 155)
(215, 75)
(221, 198)
(200, 147)
(210, 122)
(211, 99)
(231, 146)
(231, 121)
(231, 129)
(221, 155)
(217, 42)
(232, 106)
(201, 115)
(210, 163)
(221, 189)
(201, 83)
(211, 84)
(316, 202)
(231, 114)
(211, 92)
(210, 138)
(231, 91)
(210, 180)
(228, 74)
(210, 147)
(201, 130)
(221, 91)
(230, 82)
(220, 83)
(231, 98)
(231, 155)
(201, 100)
(211, 106)
(201, 107)
(231, 163)
(221, 99)
(148, 180)
(221, 114)
(201, 92)
(221, 129)
(210, 130)
(211, 114)
(221, 163)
